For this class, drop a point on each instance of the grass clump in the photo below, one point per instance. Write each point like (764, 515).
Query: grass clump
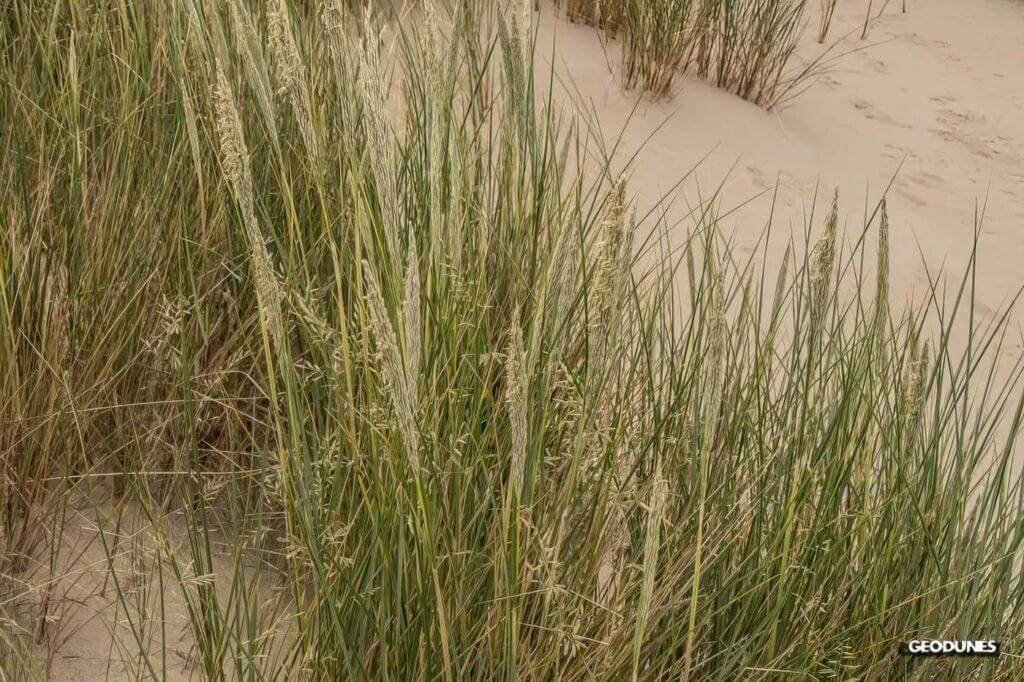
(743, 46)
(338, 329)
(747, 45)
(656, 39)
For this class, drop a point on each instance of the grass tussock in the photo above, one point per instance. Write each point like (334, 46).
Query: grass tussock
(656, 43)
(345, 352)
(743, 46)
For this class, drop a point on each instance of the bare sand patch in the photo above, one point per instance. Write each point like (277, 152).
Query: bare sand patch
(930, 101)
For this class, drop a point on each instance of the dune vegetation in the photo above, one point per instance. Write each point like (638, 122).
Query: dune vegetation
(743, 46)
(389, 380)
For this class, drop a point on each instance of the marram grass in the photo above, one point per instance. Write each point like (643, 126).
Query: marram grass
(336, 322)
(743, 46)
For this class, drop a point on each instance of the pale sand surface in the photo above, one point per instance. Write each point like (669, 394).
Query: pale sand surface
(90, 637)
(937, 94)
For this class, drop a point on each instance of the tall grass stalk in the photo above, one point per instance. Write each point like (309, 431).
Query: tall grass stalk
(867, 19)
(828, 8)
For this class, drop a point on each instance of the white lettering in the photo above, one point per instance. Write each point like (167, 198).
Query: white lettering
(952, 647)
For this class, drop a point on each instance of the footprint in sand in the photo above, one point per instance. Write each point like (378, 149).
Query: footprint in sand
(872, 113)
(918, 187)
(969, 129)
(757, 178)
(910, 196)
(877, 65)
(893, 151)
(925, 180)
(919, 41)
(829, 82)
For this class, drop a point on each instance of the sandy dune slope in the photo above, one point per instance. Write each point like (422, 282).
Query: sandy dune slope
(933, 97)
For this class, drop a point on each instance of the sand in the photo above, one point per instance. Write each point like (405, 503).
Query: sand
(89, 635)
(931, 102)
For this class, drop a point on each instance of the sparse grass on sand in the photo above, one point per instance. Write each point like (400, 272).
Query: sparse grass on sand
(353, 322)
(743, 46)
